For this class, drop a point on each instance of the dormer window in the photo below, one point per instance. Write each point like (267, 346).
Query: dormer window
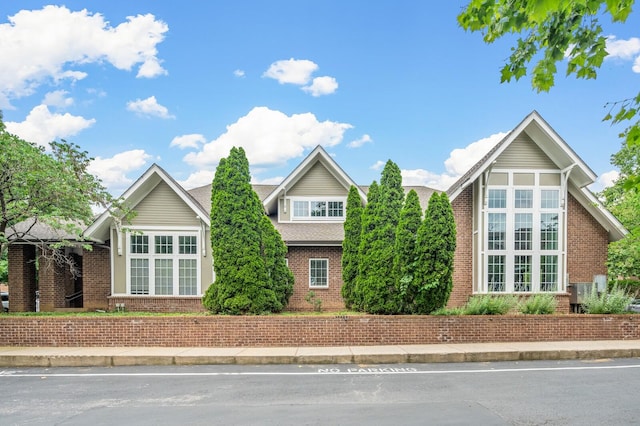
(318, 209)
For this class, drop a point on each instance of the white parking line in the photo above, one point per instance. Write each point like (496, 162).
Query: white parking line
(320, 372)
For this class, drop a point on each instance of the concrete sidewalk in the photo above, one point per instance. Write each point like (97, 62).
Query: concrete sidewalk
(473, 352)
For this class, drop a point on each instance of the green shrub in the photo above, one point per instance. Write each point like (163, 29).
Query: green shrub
(613, 301)
(314, 301)
(487, 304)
(449, 311)
(541, 303)
(631, 287)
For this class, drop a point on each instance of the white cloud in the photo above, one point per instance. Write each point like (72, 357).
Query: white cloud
(238, 73)
(298, 71)
(270, 138)
(293, 71)
(461, 160)
(359, 142)
(73, 38)
(193, 140)
(277, 180)
(112, 171)
(605, 180)
(149, 107)
(377, 165)
(427, 178)
(458, 163)
(199, 178)
(623, 49)
(321, 86)
(57, 99)
(42, 127)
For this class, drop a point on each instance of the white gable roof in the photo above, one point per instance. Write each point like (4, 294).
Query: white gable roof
(561, 154)
(547, 140)
(318, 154)
(99, 229)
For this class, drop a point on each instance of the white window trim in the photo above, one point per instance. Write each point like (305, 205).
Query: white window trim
(175, 232)
(535, 252)
(292, 201)
(318, 286)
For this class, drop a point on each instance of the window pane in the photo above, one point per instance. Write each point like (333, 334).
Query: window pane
(139, 244)
(523, 199)
(549, 199)
(318, 273)
(496, 274)
(139, 276)
(523, 231)
(318, 208)
(335, 209)
(548, 273)
(497, 198)
(522, 273)
(188, 276)
(549, 231)
(301, 208)
(164, 276)
(188, 244)
(497, 231)
(164, 244)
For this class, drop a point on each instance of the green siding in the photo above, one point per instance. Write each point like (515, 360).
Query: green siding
(318, 181)
(523, 153)
(163, 207)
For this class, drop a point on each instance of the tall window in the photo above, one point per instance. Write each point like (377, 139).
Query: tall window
(163, 263)
(317, 209)
(319, 273)
(522, 238)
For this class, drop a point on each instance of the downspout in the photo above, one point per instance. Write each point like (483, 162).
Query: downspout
(564, 187)
(203, 234)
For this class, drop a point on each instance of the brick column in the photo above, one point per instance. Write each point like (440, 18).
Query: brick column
(52, 281)
(96, 278)
(22, 278)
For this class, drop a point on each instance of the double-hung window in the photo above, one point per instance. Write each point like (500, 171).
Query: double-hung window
(318, 209)
(163, 263)
(318, 273)
(522, 238)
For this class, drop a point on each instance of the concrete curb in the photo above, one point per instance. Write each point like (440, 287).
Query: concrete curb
(444, 353)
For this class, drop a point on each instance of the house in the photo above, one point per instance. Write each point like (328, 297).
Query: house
(526, 223)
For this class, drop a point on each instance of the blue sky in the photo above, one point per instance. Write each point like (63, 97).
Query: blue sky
(179, 83)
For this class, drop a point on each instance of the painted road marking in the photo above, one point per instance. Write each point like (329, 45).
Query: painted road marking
(321, 371)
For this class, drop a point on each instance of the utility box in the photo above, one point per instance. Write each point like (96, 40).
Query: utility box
(578, 292)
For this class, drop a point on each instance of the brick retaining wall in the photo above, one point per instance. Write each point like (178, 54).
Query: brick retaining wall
(263, 331)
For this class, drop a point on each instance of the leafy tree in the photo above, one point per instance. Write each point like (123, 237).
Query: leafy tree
(436, 245)
(624, 255)
(553, 31)
(350, 245)
(248, 253)
(379, 282)
(52, 188)
(405, 261)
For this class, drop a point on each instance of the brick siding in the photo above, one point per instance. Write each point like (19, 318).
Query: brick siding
(22, 277)
(157, 303)
(587, 245)
(463, 258)
(96, 279)
(266, 331)
(299, 265)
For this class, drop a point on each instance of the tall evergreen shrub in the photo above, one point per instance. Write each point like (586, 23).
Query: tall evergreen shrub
(378, 282)
(350, 246)
(436, 244)
(405, 261)
(251, 274)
